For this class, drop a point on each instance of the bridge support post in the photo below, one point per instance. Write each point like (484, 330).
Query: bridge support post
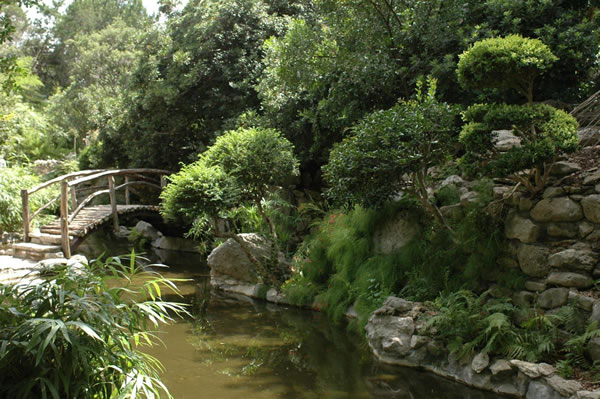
(25, 202)
(113, 202)
(127, 198)
(64, 219)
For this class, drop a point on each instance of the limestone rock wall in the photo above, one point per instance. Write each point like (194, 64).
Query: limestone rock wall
(555, 241)
(396, 335)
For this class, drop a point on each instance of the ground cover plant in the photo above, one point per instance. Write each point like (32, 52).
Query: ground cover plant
(79, 331)
(467, 324)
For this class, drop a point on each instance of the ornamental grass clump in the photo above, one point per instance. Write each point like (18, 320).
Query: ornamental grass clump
(77, 333)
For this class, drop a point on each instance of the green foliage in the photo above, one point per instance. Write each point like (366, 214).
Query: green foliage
(392, 151)
(468, 324)
(199, 192)
(545, 133)
(77, 333)
(193, 80)
(338, 265)
(12, 181)
(256, 158)
(511, 62)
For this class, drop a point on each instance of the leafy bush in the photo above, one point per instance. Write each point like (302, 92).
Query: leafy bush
(468, 323)
(512, 62)
(241, 168)
(199, 194)
(76, 334)
(392, 151)
(12, 181)
(545, 133)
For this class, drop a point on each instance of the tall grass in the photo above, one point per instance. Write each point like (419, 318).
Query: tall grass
(338, 264)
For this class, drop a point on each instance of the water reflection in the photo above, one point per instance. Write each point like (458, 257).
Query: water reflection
(236, 348)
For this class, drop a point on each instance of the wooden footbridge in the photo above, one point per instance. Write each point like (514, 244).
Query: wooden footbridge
(78, 217)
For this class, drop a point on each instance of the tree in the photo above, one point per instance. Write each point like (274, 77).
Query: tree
(102, 67)
(545, 132)
(512, 62)
(242, 166)
(341, 60)
(193, 81)
(392, 151)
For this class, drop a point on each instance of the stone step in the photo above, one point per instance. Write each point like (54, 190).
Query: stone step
(28, 250)
(35, 248)
(45, 238)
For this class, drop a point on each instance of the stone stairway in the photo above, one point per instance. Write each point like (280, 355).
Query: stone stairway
(35, 251)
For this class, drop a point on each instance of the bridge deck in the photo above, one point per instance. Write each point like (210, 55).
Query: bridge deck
(92, 217)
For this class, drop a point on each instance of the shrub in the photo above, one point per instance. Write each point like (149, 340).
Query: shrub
(512, 62)
(545, 133)
(76, 334)
(392, 151)
(241, 167)
(12, 181)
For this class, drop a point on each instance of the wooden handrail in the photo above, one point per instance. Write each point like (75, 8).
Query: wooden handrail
(62, 178)
(68, 194)
(90, 197)
(117, 172)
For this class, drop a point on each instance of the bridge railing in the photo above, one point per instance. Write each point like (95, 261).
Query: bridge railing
(26, 194)
(69, 189)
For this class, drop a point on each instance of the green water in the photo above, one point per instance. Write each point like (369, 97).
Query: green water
(236, 348)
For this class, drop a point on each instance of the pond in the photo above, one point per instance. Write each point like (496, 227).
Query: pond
(237, 348)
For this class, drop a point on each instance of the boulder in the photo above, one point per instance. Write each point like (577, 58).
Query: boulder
(533, 260)
(582, 301)
(533, 370)
(589, 136)
(469, 198)
(177, 244)
(578, 259)
(567, 279)
(585, 229)
(480, 362)
(593, 349)
(563, 168)
(452, 180)
(501, 366)
(229, 259)
(148, 231)
(553, 298)
(504, 140)
(540, 390)
(562, 230)
(535, 286)
(520, 228)
(591, 207)
(562, 386)
(561, 209)
(390, 335)
(588, 395)
(553, 192)
(591, 179)
(396, 233)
